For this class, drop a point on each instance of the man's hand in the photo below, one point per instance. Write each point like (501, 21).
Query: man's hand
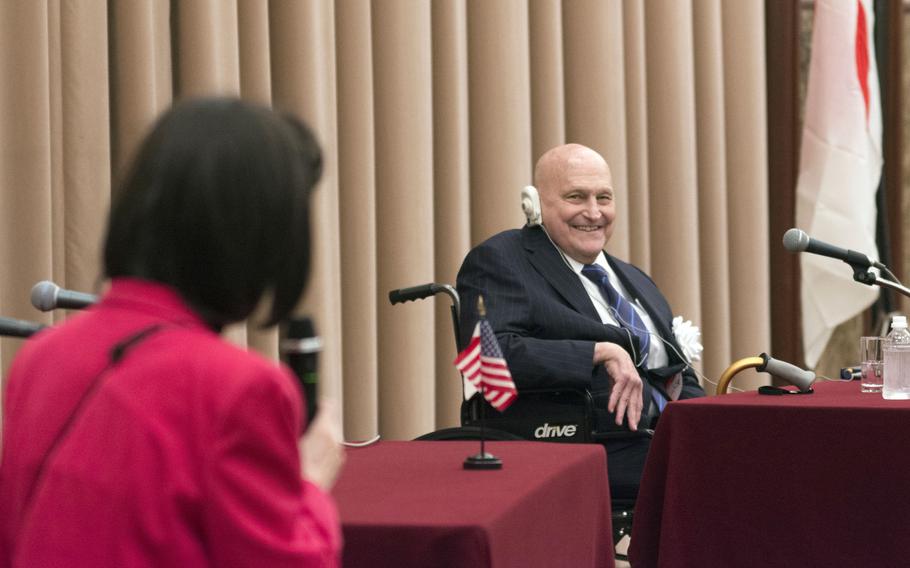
(626, 390)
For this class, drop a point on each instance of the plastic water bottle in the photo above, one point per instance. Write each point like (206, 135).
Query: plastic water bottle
(897, 361)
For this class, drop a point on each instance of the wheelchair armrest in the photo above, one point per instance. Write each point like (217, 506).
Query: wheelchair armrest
(471, 406)
(583, 394)
(622, 435)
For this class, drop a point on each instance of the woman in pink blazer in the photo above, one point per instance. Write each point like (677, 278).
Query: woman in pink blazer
(133, 434)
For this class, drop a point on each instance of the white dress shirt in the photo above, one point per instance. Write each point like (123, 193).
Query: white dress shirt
(657, 351)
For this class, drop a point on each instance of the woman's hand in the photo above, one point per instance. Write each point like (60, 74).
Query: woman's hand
(321, 452)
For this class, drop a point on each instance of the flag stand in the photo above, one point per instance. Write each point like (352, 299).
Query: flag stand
(482, 460)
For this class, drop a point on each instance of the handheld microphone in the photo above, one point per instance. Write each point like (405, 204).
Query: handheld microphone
(301, 348)
(10, 327)
(47, 296)
(796, 240)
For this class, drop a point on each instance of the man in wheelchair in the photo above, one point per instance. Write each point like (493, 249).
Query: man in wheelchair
(569, 316)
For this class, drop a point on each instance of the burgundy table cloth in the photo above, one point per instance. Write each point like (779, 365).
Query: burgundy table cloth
(412, 504)
(794, 480)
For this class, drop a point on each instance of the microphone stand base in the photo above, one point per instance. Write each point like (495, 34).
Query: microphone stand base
(482, 461)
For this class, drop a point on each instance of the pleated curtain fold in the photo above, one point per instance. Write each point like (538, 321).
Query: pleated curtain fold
(431, 116)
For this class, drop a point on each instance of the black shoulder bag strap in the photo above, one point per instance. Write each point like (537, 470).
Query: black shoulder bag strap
(118, 351)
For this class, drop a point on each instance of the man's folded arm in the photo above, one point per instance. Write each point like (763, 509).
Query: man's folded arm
(546, 363)
(535, 362)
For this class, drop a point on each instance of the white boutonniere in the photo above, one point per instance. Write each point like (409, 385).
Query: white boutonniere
(688, 337)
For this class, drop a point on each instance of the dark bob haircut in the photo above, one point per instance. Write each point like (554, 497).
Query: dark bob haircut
(216, 205)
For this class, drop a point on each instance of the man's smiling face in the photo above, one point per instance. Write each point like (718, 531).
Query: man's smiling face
(576, 193)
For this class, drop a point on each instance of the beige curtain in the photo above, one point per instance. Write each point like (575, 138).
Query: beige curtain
(431, 115)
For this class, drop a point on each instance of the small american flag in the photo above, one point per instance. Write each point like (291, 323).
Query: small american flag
(482, 365)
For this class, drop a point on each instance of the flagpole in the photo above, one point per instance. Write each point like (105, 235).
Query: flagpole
(483, 460)
(483, 420)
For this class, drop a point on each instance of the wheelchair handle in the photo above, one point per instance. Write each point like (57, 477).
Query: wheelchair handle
(425, 290)
(413, 293)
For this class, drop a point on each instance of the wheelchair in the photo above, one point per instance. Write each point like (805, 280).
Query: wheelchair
(549, 415)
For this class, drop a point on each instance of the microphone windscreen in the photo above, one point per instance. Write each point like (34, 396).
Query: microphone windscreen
(44, 295)
(299, 328)
(796, 240)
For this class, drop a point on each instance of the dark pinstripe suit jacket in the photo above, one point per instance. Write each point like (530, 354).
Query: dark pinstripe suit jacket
(544, 319)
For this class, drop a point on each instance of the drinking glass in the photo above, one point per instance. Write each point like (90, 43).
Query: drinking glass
(870, 350)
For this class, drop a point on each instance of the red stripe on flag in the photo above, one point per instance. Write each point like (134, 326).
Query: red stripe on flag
(470, 353)
(482, 365)
(862, 54)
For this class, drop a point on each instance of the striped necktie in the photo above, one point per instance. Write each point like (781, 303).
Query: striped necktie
(622, 309)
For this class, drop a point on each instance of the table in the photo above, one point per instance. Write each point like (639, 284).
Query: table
(795, 480)
(412, 504)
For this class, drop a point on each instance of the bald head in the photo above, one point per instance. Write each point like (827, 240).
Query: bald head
(555, 163)
(576, 197)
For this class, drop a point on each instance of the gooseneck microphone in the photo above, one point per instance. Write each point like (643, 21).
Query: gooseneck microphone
(300, 348)
(796, 240)
(10, 327)
(47, 296)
